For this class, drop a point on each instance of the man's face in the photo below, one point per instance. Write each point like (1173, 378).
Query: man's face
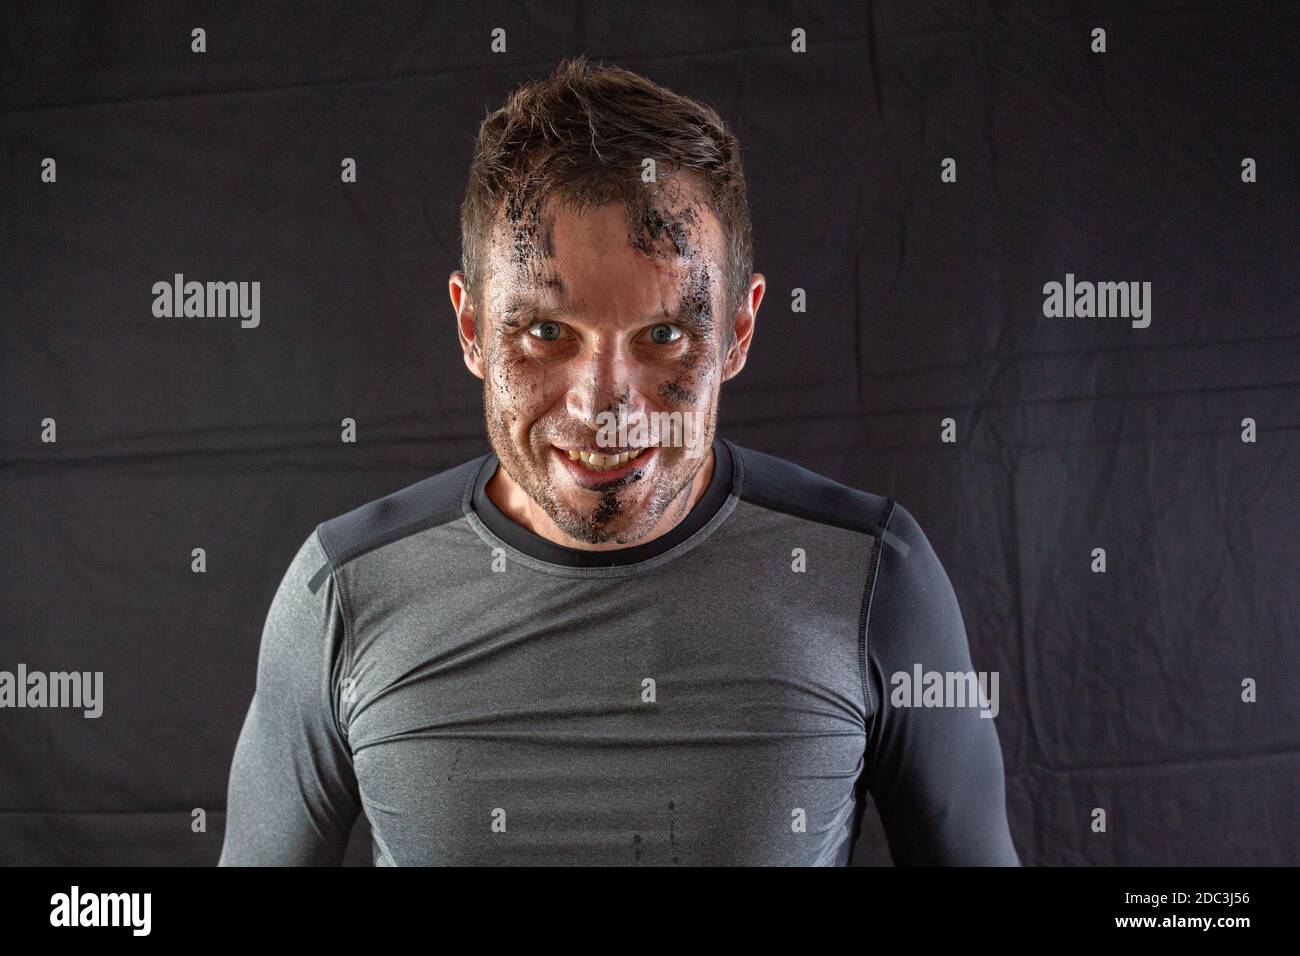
(584, 317)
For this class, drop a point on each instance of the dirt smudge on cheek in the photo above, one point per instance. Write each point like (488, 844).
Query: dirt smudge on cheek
(667, 225)
(697, 297)
(699, 363)
(674, 392)
(509, 371)
(525, 246)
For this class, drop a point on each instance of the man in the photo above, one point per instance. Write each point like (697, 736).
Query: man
(617, 638)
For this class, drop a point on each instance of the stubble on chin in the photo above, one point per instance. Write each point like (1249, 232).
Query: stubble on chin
(600, 525)
(597, 528)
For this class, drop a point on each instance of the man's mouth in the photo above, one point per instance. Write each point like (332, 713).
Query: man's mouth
(592, 469)
(600, 461)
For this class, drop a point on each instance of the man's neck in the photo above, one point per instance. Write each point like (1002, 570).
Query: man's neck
(517, 505)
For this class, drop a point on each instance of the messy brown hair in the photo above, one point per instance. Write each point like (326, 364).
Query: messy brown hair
(583, 133)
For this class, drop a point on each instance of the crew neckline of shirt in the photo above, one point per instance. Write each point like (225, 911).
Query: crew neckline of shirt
(699, 522)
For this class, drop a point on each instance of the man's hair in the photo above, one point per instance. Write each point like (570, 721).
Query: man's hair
(583, 134)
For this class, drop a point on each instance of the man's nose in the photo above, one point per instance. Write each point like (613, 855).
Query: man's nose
(603, 383)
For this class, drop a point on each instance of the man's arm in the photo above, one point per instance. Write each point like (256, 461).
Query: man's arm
(292, 797)
(935, 772)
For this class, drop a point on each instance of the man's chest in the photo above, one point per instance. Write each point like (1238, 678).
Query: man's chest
(585, 722)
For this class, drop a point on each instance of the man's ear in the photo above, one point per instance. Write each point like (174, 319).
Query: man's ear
(734, 360)
(462, 304)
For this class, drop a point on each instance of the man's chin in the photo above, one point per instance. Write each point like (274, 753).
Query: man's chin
(592, 518)
(594, 526)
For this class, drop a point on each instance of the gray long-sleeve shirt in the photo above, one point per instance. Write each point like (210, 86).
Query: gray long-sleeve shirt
(723, 694)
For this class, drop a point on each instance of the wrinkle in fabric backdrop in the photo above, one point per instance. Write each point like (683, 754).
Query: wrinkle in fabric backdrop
(1119, 690)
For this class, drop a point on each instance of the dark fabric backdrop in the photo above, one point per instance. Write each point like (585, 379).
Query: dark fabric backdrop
(1118, 690)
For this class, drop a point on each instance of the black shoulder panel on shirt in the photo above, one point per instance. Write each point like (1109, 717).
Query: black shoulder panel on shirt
(428, 503)
(781, 485)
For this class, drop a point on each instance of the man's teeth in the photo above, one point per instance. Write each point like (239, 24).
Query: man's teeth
(598, 462)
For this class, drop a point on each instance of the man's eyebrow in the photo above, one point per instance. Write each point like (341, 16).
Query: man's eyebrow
(687, 313)
(522, 311)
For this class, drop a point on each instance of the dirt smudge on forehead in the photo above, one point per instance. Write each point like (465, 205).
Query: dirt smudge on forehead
(666, 219)
(666, 210)
(668, 222)
(654, 224)
(529, 229)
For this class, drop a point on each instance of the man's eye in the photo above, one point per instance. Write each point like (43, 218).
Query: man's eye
(546, 331)
(664, 334)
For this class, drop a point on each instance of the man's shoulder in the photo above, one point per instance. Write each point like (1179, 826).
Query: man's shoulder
(921, 613)
(427, 503)
(779, 484)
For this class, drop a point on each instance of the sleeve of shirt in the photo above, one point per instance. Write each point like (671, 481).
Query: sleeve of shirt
(292, 796)
(935, 773)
